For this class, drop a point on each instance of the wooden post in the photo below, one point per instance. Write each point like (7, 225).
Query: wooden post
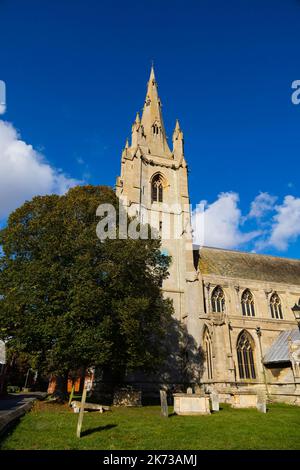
(72, 394)
(80, 417)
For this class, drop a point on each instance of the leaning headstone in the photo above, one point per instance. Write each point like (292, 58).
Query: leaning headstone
(164, 404)
(80, 417)
(261, 403)
(189, 391)
(215, 404)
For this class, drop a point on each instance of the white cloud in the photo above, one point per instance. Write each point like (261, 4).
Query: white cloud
(219, 224)
(222, 225)
(24, 172)
(286, 223)
(262, 204)
(2, 108)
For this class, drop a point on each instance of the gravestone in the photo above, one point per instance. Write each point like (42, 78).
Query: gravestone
(164, 404)
(261, 403)
(189, 391)
(215, 404)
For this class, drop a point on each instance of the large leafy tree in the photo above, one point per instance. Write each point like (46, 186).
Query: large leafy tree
(69, 300)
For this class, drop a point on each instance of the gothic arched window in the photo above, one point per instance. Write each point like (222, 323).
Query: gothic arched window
(245, 355)
(157, 188)
(275, 306)
(218, 300)
(208, 354)
(248, 304)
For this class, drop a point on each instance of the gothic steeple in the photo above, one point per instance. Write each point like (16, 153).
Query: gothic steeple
(152, 120)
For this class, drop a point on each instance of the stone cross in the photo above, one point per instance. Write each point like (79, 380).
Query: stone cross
(164, 404)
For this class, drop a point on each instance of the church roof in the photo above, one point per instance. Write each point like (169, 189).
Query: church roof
(237, 264)
(279, 351)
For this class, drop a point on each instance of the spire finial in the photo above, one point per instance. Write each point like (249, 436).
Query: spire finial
(152, 75)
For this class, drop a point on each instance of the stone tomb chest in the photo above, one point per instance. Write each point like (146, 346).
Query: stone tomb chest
(191, 404)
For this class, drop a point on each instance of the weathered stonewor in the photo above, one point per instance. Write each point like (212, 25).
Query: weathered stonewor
(261, 402)
(164, 404)
(191, 404)
(127, 397)
(217, 293)
(244, 399)
(215, 402)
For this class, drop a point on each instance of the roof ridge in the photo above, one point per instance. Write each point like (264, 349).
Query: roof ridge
(248, 253)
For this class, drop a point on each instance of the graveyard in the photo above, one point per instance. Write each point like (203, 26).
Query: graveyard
(52, 426)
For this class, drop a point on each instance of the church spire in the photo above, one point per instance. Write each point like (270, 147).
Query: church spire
(152, 120)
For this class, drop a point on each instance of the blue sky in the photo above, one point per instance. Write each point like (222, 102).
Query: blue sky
(76, 73)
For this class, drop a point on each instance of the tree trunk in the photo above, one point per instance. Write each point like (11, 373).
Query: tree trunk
(60, 387)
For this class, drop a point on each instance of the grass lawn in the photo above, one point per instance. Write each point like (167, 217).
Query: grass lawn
(50, 426)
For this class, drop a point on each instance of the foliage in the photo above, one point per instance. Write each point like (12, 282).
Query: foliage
(70, 300)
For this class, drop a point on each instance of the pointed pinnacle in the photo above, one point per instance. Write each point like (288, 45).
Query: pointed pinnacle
(152, 75)
(177, 126)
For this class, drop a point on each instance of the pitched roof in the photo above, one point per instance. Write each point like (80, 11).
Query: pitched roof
(279, 351)
(238, 264)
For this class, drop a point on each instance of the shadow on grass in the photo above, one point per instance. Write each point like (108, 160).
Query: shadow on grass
(8, 430)
(98, 429)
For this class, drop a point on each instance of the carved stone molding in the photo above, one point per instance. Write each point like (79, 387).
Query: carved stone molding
(218, 319)
(258, 331)
(268, 292)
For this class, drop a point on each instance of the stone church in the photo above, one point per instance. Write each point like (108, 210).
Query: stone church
(241, 309)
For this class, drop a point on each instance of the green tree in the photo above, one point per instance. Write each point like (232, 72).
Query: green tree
(69, 300)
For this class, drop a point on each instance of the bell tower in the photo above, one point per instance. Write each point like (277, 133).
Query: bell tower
(153, 186)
